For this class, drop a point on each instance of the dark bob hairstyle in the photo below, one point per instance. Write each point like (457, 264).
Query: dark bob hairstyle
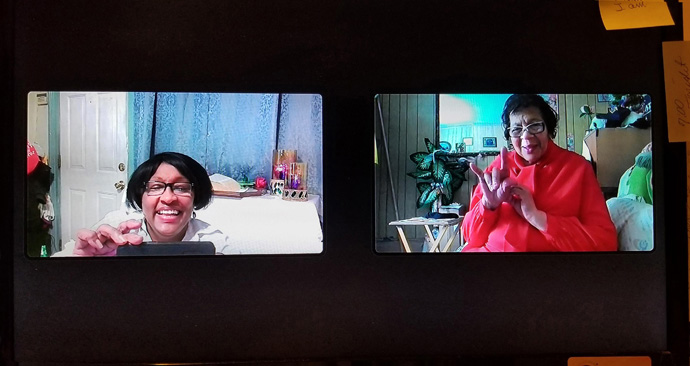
(517, 102)
(188, 167)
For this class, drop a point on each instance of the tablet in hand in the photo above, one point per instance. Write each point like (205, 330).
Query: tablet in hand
(162, 249)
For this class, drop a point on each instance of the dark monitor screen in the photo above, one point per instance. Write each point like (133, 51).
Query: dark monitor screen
(348, 301)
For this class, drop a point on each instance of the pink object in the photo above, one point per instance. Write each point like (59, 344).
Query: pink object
(31, 158)
(260, 183)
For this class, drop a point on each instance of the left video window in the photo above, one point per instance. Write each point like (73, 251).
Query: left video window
(164, 174)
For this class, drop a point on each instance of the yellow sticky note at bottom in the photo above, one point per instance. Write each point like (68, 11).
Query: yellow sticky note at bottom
(610, 361)
(618, 14)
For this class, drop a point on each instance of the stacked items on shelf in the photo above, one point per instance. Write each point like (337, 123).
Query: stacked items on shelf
(289, 177)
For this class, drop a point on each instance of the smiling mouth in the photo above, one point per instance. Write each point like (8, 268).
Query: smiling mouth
(168, 212)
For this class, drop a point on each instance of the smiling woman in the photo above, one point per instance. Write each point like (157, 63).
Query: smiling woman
(165, 190)
(99, 138)
(538, 197)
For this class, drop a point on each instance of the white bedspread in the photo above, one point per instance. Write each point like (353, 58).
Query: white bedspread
(267, 224)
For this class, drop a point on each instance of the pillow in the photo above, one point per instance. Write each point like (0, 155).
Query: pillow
(222, 183)
(637, 180)
(634, 221)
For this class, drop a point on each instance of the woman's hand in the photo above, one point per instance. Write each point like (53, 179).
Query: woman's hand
(105, 240)
(523, 203)
(495, 185)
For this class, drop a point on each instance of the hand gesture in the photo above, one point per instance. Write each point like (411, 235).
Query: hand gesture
(523, 202)
(105, 240)
(495, 185)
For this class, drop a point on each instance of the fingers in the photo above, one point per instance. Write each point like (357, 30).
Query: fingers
(496, 178)
(481, 177)
(508, 184)
(504, 159)
(106, 238)
(476, 170)
(518, 191)
(87, 238)
(517, 206)
(112, 234)
(129, 225)
(133, 239)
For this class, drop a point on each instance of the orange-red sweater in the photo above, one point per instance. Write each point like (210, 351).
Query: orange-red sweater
(564, 187)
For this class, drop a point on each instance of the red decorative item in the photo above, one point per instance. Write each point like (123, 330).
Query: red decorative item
(260, 183)
(31, 158)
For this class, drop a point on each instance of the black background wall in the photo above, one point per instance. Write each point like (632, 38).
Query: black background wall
(348, 52)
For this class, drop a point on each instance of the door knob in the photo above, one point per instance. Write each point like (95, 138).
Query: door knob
(120, 185)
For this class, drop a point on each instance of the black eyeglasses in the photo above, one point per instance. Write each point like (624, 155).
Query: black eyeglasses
(154, 188)
(532, 128)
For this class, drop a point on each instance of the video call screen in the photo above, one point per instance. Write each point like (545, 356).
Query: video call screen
(560, 173)
(261, 153)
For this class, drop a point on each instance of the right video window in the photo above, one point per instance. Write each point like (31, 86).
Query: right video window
(467, 173)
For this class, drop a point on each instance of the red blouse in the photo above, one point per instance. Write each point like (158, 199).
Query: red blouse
(563, 185)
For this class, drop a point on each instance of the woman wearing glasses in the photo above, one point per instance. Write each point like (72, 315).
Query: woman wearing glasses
(538, 197)
(165, 190)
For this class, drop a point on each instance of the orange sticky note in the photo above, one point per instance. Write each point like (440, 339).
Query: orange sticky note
(686, 20)
(610, 361)
(677, 83)
(627, 14)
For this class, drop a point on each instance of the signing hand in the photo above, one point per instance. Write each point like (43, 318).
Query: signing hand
(522, 201)
(105, 240)
(495, 185)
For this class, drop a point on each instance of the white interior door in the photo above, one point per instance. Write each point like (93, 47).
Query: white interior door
(93, 157)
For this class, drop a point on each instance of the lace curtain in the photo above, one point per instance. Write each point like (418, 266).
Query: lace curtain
(230, 134)
(300, 119)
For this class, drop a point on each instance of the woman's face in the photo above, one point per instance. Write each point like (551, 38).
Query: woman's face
(530, 146)
(167, 215)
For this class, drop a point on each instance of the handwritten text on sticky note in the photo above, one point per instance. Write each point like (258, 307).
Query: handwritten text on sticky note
(626, 14)
(677, 82)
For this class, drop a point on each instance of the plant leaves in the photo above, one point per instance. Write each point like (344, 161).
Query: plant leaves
(423, 186)
(429, 145)
(426, 163)
(456, 183)
(447, 178)
(427, 197)
(439, 171)
(418, 157)
(420, 174)
(445, 200)
(439, 165)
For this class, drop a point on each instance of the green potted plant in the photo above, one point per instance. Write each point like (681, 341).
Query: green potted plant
(439, 174)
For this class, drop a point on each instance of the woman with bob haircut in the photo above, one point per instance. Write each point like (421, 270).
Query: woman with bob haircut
(164, 190)
(538, 197)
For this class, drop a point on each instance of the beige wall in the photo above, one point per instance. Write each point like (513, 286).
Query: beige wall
(37, 123)
(407, 119)
(570, 121)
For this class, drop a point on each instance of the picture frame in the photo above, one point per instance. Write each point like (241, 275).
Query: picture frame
(489, 142)
(552, 99)
(602, 98)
